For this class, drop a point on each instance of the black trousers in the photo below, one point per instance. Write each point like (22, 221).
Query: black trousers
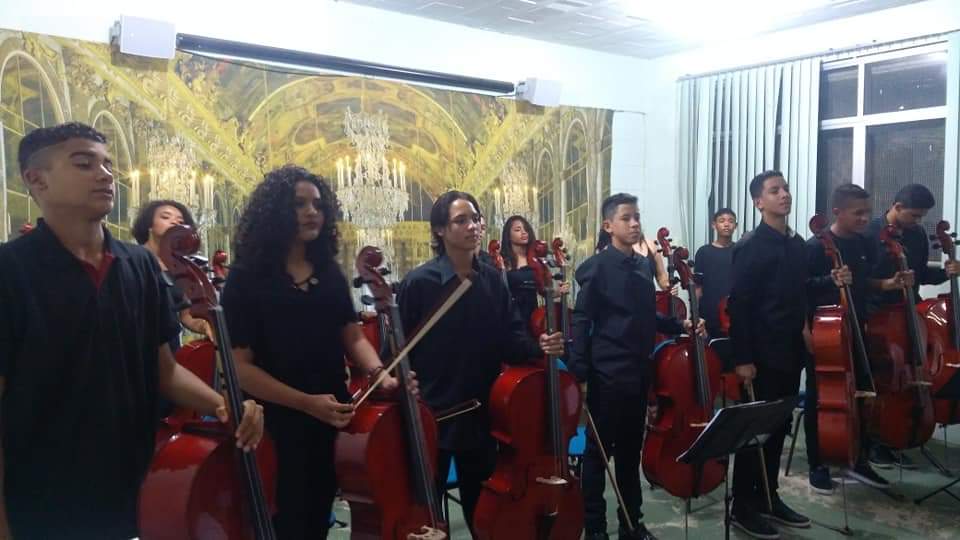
(473, 467)
(620, 417)
(810, 428)
(769, 384)
(306, 477)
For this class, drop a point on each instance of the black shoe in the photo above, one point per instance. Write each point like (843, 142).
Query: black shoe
(755, 526)
(784, 515)
(882, 457)
(820, 481)
(596, 536)
(640, 532)
(864, 474)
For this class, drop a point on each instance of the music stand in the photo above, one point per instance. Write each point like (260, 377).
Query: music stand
(734, 429)
(951, 390)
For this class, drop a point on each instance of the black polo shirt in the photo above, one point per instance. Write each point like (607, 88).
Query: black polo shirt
(80, 363)
(615, 321)
(714, 266)
(296, 335)
(857, 254)
(460, 358)
(768, 299)
(917, 249)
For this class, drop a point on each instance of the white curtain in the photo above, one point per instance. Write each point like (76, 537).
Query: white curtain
(729, 133)
(951, 165)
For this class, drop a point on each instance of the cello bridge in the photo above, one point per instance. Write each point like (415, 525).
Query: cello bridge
(864, 394)
(552, 481)
(699, 424)
(427, 533)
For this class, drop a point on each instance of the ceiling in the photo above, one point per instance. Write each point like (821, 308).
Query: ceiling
(639, 28)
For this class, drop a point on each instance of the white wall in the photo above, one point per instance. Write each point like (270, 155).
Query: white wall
(930, 17)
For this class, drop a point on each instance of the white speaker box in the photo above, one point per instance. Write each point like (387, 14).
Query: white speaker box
(540, 92)
(144, 37)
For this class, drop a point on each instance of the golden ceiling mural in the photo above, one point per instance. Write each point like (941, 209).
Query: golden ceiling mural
(206, 130)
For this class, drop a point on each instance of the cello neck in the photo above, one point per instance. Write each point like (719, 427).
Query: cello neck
(260, 515)
(553, 384)
(700, 354)
(420, 469)
(862, 363)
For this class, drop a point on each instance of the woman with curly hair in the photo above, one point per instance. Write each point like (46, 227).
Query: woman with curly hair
(291, 319)
(153, 220)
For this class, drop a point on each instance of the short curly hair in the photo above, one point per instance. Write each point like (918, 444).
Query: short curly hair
(268, 224)
(144, 222)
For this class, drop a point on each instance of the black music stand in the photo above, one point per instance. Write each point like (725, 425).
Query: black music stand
(951, 390)
(734, 429)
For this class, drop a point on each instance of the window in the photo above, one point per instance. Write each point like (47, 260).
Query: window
(882, 126)
(26, 103)
(575, 183)
(544, 196)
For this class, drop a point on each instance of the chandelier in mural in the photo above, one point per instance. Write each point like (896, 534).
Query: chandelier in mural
(372, 190)
(515, 197)
(175, 174)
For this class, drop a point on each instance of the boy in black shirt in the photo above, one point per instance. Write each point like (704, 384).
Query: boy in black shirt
(851, 209)
(714, 263)
(84, 325)
(767, 315)
(614, 324)
(910, 206)
(460, 358)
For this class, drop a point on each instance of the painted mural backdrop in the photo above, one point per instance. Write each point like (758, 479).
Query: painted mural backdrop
(204, 131)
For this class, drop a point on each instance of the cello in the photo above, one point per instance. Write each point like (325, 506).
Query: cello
(841, 367)
(200, 485)
(902, 413)
(385, 457)
(686, 386)
(534, 412)
(943, 326)
(667, 303)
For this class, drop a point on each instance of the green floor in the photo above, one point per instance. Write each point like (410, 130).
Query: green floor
(871, 514)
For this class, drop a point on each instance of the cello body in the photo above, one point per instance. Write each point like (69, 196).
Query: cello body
(672, 431)
(367, 453)
(838, 416)
(945, 360)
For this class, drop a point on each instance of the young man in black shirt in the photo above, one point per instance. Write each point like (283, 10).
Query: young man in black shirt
(460, 358)
(614, 324)
(714, 263)
(910, 206)
(84, 326)
(767, 315)
(851, 210)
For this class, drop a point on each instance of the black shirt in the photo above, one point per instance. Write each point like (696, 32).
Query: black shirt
(460, 358)
(178, 302)
(295, 335)
(523, 288)
(914, 241)
(615, 320)
(80, 363)
(768, 302)
(857, 254)
(714, 265)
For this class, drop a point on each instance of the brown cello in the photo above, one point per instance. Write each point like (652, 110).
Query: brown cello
(385, 457)
(841, 367)
(200, 485)
(943, 326)
(686, 386)
(902, 412)
(534, 412)
(667, 303)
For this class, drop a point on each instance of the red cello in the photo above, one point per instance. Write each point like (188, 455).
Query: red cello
(668, 304)
(200, 486)
(385, 458)
(200, 357)
(902, 413)
(943, 326)
(686, 388)
(839, 357)
(533, 414)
